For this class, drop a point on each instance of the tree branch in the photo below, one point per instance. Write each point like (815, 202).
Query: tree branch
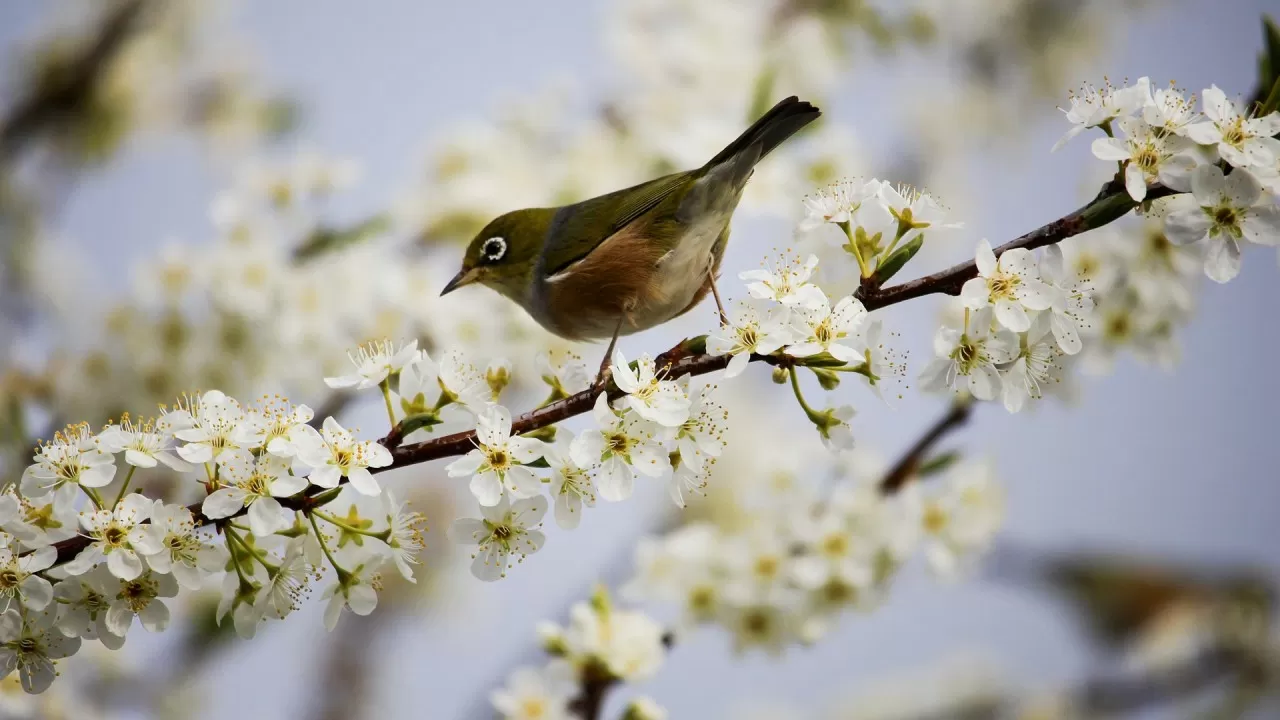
(62, 95)
(687, 358)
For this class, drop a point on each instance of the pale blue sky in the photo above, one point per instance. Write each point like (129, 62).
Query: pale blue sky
(1179, 465)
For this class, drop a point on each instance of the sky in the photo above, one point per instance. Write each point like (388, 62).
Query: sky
(1172, 465)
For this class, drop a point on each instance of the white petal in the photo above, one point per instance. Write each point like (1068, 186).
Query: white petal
(487, 488)
(1222, 262)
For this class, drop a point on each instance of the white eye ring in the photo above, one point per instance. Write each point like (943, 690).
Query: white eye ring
(493, 249)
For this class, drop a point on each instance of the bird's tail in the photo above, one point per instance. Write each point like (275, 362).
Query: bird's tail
(767, 133)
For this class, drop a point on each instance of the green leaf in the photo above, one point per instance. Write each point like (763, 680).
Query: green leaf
(694, 345)
(325, 497)
(899, 258)
(937, 463)
(821, 360)
(325, 240)
(545, 434)
(417, 422)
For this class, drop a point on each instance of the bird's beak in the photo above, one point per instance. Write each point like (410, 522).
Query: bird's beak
(464, 277)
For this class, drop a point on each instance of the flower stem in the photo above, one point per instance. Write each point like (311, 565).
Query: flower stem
(386, 396)
(324, 547)
(902, 232)
(94, 496)
(813, 415)
(853, 248)
(257, 554)
(125, 487)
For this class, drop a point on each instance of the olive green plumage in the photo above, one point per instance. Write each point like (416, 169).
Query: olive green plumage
(631, 259)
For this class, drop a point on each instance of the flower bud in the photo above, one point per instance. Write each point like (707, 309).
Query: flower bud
(780, 375)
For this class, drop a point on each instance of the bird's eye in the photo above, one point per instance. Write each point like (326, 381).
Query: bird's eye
(493, 249)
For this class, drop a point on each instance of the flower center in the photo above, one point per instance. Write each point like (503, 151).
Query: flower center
(1225, 218)
(499, 459)
(749, 337)
(8, 580)
(618, 443)
(835, 545)
(27, 646)
(114, 536)
(1234, 134)
(1003, 285)
(967, 355)
(935, 519)
(756, 623)
(767, 567)
(1148, 159)
(533, 708)
(824, 333)
(502, 532)
(836, 592)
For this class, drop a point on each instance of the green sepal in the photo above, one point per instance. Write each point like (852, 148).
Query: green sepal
(899, 258)
(821, 360)
(937, 463)
(417, 422)
(828, 379)
(545, 434)
(324, 498)
(694, 345)
(539, 463)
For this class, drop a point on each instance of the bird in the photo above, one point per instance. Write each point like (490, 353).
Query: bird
(632, 259)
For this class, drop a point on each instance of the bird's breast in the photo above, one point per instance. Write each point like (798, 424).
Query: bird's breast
(629, 283)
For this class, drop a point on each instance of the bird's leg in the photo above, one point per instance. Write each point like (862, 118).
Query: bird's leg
(602, 377)
(715, 293)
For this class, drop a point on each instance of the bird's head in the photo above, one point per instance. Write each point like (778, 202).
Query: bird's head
(502, 256)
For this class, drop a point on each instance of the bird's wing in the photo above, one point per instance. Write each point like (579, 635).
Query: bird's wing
(580, 228)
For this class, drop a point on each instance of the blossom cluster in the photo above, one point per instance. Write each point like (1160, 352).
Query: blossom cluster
(602, 644)
(1222, 160)
(790, 573)
(76, 566)
(657, 429)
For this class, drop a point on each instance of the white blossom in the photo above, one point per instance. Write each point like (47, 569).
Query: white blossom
(1226, 209)
(497, 466)
(30, 645)
(1240, 140)
(1092, 107)
(506, 530)
(1072, 309)
(752, 330)
(73, 458)
(19, 582)
(788, 284)
(336, 454)
(375, 362)
(650, 396)
(571, 484)
(1011, 284)
(1150, 155)
(971, 353)
(355, 590)
(624, 444)
(183, 552)
(118, 536)
(143, 443)
(209, 425)
(831, 330)
(141, 597)
(538, 694)
(255, 484)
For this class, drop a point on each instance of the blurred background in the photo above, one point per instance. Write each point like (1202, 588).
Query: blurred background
(232, 194)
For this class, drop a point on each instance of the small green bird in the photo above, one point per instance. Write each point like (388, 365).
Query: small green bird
(632, 259)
